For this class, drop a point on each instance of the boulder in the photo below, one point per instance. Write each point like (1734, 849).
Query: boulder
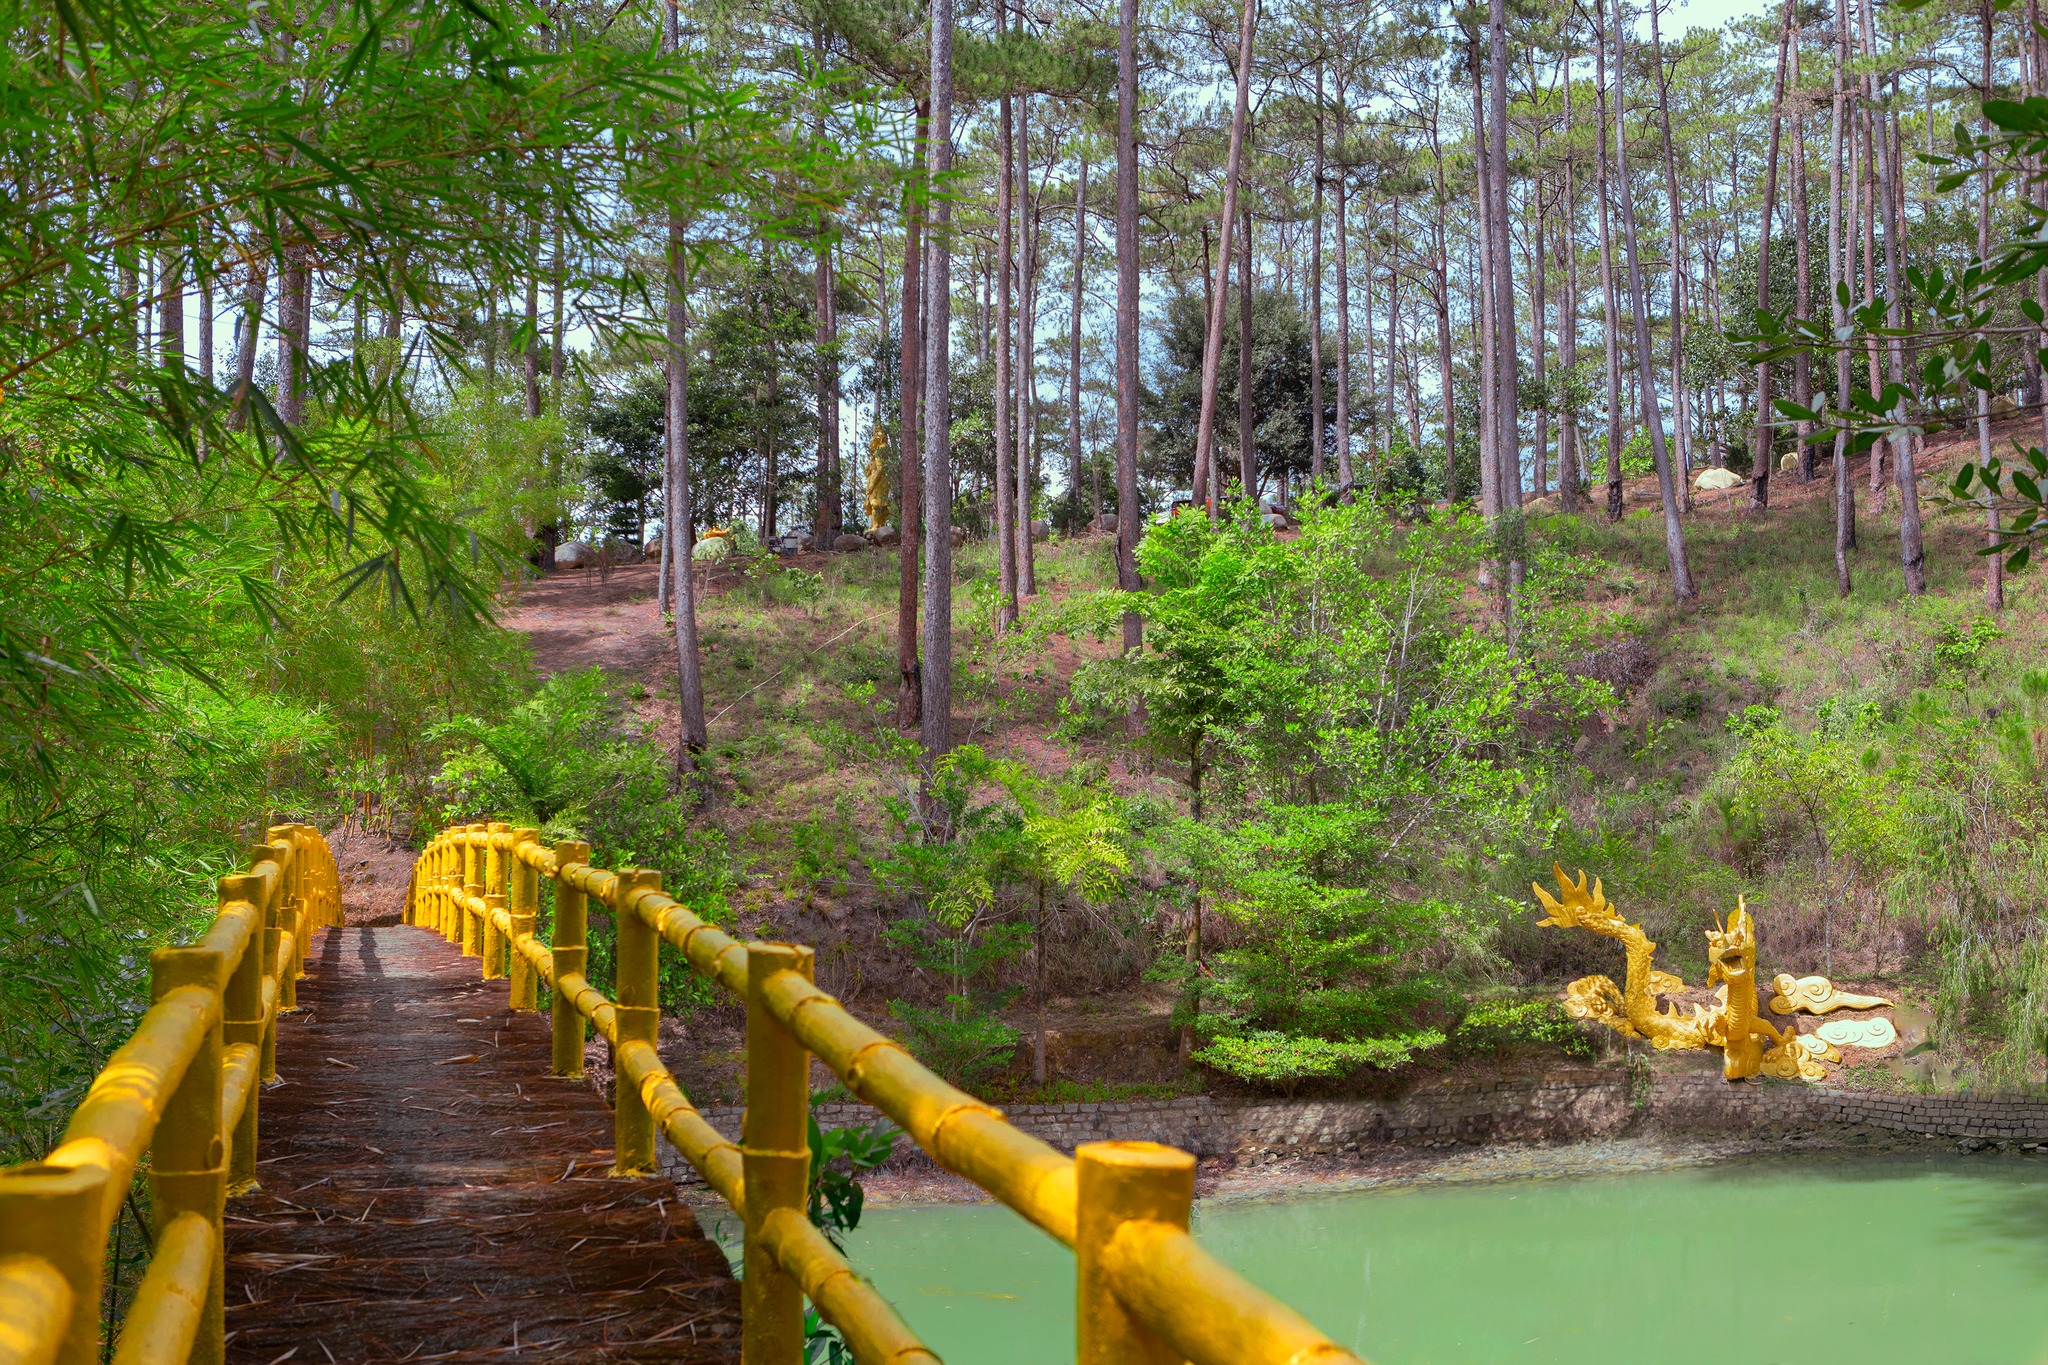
(1788, 463)
(847, 541)
(652, 549)
(1106, 522)
(1714, 480)
(885, 534)
(1041, 530)
(622, 551)
(1275, 520)
(575, 554)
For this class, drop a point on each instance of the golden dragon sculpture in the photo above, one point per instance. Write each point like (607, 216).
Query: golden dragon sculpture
(1633, 1008)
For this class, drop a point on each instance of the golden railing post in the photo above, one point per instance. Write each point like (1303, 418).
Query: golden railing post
(188, 1167)
(242, 1022)
(775, 1154)
(472, 887)
(522, 902)
(291, 916)
(572, 952)
(638, 971)
(447, 882)
(1114, 1183)
(54, 1213)
(494, 899)
(269, 911)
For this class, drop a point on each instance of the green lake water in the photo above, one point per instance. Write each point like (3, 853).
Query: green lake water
(1865, 1262)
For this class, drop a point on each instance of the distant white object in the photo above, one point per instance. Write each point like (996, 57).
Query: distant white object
(1788, 463)
(1714, 480)
(575, 554)
(1274, 520)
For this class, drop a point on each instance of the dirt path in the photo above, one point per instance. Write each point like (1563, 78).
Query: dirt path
(421, 1203)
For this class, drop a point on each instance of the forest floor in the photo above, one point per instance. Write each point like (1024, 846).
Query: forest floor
(809, 772)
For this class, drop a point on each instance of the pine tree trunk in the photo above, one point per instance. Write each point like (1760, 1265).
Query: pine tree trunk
(1760, 473)
(1074, 339)
(1006, 375)
(1681, 401)
(1682, 587)
(1212, 351)
(251, 330)
(679, 531)
(1838, 276)
(1345, 478)
(1994, 565)
(1507, 443)
(1315, 303)
(909, 684)
(1611, 330)
(1026, 366)
(1568, 475)
(1802, 362)
(1247, 457)
(1127, 299)
(936, 677)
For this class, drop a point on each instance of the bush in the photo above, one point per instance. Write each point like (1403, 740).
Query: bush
(1503, 1027)
(1279, 1060)
(963, 1042)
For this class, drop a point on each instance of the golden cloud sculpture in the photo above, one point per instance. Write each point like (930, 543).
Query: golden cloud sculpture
(1749, 1045)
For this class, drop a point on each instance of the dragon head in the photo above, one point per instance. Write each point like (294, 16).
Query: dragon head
(1731, 951)
(1574, 907)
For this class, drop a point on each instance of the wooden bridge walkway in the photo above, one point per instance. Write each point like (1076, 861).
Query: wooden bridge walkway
(430, 1193)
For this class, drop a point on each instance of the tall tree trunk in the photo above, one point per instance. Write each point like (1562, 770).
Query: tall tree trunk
(1912, 543)
(1681, 400)
(1994, 565)
(908, 484)
(1126, 313)
(936, 678)
(1247, 431)
(1345, 478)
(1838, 285)
(1006, 374)
(250, 330)
(171, 311)
(1074, 339)
(206, 326)
(1760, 458)
(1674, 530)
(1485, 309)
(1802, 362)
(1538, 312)
(533, 335)
(1507, 441)
(558, 341)
(679, 532)
(826, 337)
(1026, 367)
(1569, 498)
(293, 328)
(1315, 303)
(1611, 328)
(1212, 350)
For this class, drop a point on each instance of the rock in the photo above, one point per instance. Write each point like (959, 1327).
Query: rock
(652, 549)
(575, 554)
(2003, 407)
(959, 537)
(849, 540)
(1276, 520)
(885, 534)
(1106, 522)
(1788, 463)
(1041, 530)
(1713, 480)
(621, 551)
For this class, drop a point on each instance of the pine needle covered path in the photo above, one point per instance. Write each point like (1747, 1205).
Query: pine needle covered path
(430, 1193)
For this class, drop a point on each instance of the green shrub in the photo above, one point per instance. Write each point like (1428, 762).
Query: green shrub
(1283, 1062)
(1502, 1027)
(962, 1041)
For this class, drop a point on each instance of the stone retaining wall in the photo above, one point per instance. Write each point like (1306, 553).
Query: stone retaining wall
(1561, 1104)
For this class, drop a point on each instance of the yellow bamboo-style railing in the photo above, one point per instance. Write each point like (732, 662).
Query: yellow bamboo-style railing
(182, 1094)
(1147, 1291)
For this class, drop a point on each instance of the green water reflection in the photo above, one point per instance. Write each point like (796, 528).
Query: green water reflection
(1867, 1261)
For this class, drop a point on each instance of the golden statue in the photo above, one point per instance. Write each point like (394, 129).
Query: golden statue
(1817, 995)
(1633, 1008)
(877, 477)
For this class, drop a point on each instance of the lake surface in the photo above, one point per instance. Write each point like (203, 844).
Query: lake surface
(1862, 1261)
